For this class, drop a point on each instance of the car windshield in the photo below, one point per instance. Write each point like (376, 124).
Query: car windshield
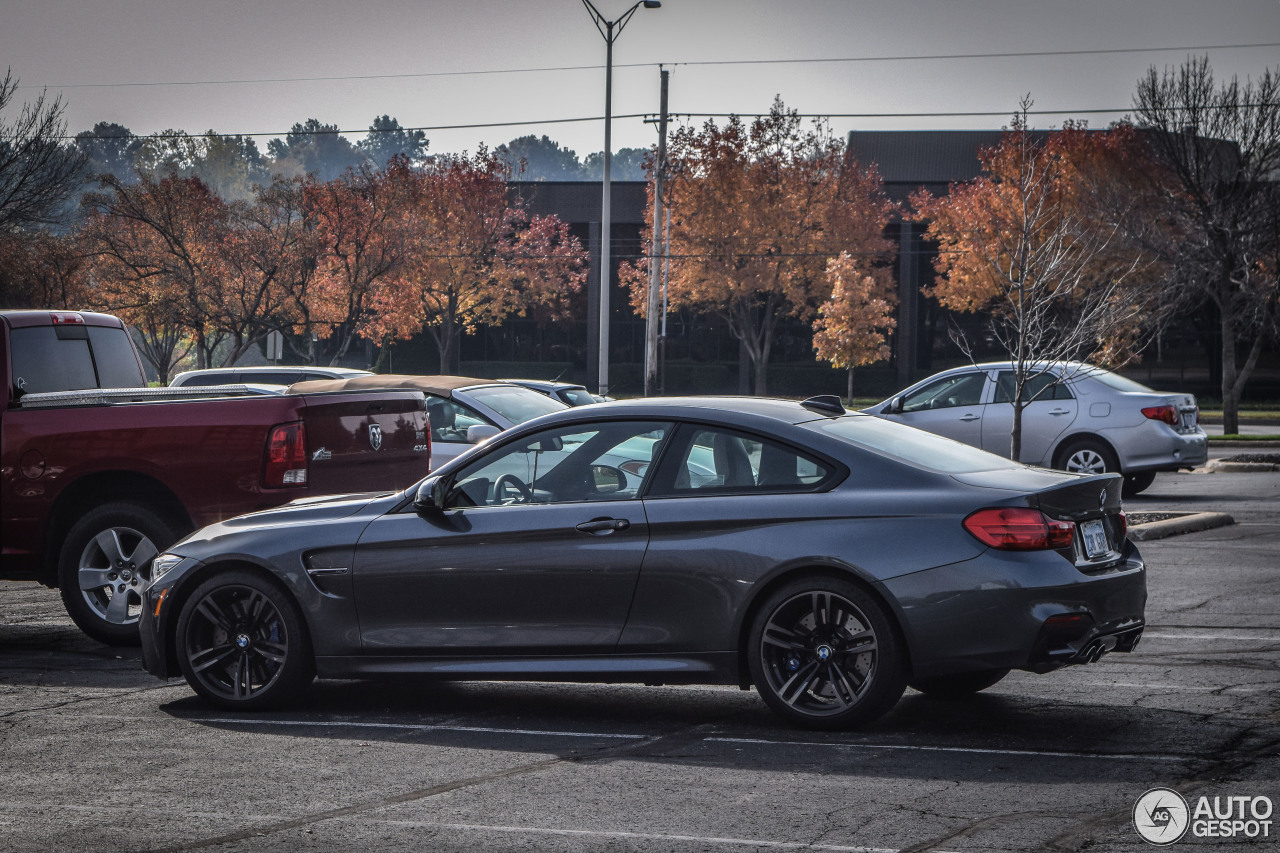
(913, 446)
(514, 403)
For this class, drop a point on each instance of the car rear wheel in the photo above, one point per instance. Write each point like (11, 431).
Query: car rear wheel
(823, 654)
(242, 643)
(1088, 456)
(1137, 483)
(956, 686)
(105, 564)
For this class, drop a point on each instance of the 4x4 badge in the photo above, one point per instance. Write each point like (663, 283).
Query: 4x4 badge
(375, 437)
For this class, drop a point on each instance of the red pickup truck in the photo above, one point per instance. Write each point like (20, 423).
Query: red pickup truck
(99, 474)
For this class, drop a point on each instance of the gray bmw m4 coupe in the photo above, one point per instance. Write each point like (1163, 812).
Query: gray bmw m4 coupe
(828, 558)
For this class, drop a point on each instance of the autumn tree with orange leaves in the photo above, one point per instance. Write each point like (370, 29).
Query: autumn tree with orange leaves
(471, 255)
(1050, 244)
(156, 262)
(757, 213)
(854, 322)
(359, 225)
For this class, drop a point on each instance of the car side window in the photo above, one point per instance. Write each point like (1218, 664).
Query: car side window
(605, 461)
(450, 419)
(1043, 387)
(948, 392)
(710, 460)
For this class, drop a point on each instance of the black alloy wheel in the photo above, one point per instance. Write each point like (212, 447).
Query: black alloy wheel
(242, 643)
(823, 654)
(960, 685)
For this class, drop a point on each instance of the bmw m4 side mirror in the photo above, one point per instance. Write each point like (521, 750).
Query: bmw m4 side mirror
(431, 495)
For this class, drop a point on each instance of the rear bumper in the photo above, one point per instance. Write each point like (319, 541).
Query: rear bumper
(1032, 611)
(1164, 450)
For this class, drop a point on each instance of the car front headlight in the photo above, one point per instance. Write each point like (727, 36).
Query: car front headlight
(164, 564)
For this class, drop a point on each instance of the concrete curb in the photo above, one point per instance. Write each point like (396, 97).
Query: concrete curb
(1221, 466)
(1183, 524)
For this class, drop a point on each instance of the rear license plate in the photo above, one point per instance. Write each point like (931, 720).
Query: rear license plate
(1188, 421)
(1095, 539)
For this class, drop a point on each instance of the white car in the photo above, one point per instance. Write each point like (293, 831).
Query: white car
(1082, 418)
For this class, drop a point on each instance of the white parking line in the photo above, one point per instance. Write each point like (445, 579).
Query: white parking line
(1152, 635)
(247, 721)
(425, 727)
(1030, 753)
(645, 836)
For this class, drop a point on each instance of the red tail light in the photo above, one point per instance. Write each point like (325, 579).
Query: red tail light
(1019, 529)
(286, 457)
(66, 318)
(1168, 414)
(1124, 526)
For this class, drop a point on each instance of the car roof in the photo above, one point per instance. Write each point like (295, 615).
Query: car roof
(548, 384)
(441, 385)
(709, 407)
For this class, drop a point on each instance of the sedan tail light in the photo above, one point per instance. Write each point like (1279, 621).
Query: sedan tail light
(286, 456)
(1168, 414)
(1019, 529)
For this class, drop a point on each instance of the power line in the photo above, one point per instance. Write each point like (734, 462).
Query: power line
(648, 117)
(699, 63)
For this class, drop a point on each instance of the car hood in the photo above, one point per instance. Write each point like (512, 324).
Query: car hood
(304, 510)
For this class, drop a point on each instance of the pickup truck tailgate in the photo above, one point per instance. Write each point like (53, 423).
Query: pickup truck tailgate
(366, 442)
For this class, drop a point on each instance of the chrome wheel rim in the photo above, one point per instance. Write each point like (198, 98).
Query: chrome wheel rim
(1087, 461)
(819, 653)
(236, 642)
(113, 570)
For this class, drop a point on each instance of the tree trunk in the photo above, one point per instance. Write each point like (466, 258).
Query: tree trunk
(1230, 401)
(1015, 435)
(744, 368)
(762, 375)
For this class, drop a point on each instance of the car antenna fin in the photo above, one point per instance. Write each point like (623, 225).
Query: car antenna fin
(826, 403)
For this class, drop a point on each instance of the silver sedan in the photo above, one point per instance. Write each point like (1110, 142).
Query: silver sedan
(1081, 418)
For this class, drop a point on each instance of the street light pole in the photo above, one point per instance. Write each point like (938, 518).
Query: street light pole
(610, 30)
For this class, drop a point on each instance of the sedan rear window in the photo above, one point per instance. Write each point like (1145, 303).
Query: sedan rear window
(911, 445)
(514, 403)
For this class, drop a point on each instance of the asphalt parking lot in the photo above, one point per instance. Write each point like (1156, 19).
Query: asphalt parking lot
(98, 756)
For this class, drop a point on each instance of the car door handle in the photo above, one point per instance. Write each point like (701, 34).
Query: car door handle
(971, 417)
(604, 525)
(1060, 412)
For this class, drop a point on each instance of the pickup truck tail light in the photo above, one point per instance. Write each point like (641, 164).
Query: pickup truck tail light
(286, 457)
(1019, 529)
(1168, 414)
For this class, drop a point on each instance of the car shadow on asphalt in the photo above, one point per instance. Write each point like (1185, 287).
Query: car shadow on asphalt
(1020, 737)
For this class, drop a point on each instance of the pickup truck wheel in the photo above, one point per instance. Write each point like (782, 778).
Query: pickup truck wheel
(104, 566)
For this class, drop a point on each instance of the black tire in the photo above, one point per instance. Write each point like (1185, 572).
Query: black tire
(824, 654)
(960, 685)
(242, 643)
(1135, 484)
(1088, 456)
(104, 565)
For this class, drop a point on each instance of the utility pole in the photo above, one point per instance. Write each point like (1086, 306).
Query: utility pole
(656, 240)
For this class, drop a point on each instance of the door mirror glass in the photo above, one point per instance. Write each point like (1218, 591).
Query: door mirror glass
(894, 407)
(608, 479)
(430, 496)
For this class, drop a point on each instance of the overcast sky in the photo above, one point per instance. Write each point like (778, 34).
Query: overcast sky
(157, 64)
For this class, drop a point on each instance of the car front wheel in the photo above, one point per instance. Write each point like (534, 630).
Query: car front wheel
(242, 643)
(824, 655)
